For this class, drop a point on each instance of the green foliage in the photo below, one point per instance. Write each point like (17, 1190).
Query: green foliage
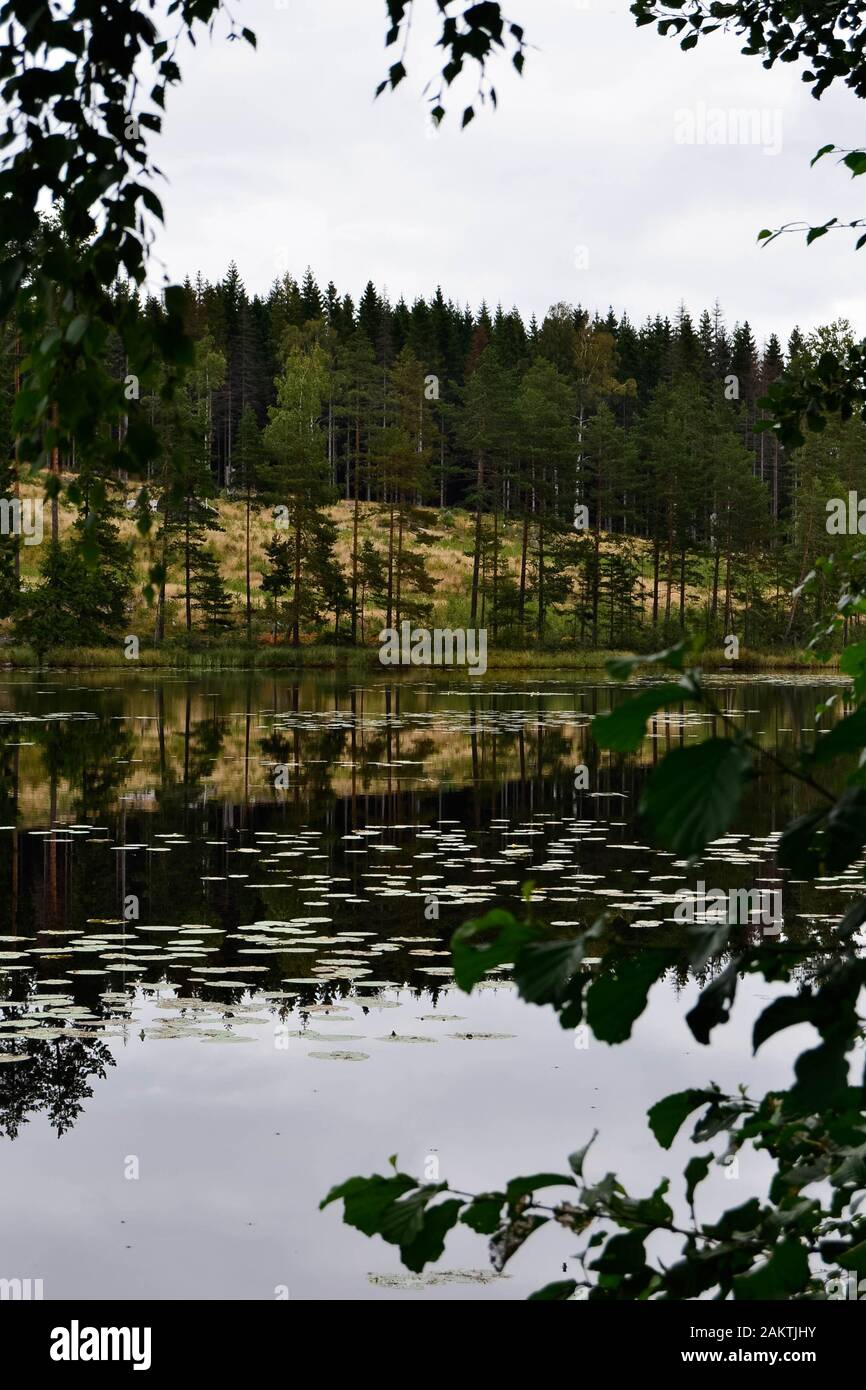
(76, 602)
(624, 729)
(474, 36)
(209, 593)
(77, 135)
(472, 959)
(814, 1132)
(807, 394)
(692, 796)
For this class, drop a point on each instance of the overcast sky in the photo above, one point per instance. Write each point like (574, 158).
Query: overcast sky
(581, 187)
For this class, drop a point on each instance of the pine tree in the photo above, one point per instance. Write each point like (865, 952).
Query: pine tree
(772, 365)
(323, 576)
(209, 594)
(79, 603)
(485, 427)
(546, 408)
(609, 465)
(324, 588)
(248, 463)
(279, 574)
(295, 442)
(357, 379)
(371, 578)
(191, 479)
(401, 452)
(311, 298)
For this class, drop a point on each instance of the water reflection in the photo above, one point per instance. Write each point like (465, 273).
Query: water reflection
(240, 859)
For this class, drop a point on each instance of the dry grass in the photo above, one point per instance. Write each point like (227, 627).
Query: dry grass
(448, 558)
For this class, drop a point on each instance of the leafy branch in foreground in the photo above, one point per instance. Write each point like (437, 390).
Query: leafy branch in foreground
(473, 36)
(84, 88)
(814, 1132)
(831, 40)
(828, 36)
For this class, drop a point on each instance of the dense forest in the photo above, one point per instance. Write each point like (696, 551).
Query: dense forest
(604, 483)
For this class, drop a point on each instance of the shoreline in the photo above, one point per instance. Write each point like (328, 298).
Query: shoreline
(349, 660)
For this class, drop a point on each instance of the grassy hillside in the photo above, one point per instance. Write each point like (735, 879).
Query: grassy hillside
(449, 561)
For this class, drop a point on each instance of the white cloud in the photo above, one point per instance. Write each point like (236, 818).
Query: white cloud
(281, 157)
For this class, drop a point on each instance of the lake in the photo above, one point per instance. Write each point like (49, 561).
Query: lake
(225, 984)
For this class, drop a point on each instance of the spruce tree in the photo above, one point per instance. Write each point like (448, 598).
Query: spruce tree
(298, 478)
(248, 462)
(209, 593)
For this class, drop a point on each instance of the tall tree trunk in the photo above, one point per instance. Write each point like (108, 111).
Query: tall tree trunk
(670, 565)
(596, 573)
(729, 607)
(541, 593)
(159, 625)
(399, 570)
(186, 568)
(55, 469)
(524, 548)
(476, 550)
(355, 512)
(247, 560)
(495, 570)
(656, 560)
(441, 463)
(296, 605)
(804, 569)
(390, 603)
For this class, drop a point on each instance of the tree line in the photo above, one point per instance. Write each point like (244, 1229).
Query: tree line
(613, 481)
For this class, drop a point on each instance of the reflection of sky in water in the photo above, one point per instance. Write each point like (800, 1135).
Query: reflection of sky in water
(237, 1144)
(283, 911)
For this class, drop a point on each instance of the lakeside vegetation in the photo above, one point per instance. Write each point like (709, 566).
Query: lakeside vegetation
(365, 660)
(327, 469)
(449, 566)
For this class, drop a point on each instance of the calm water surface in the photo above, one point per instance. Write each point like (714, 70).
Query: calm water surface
(225, 905)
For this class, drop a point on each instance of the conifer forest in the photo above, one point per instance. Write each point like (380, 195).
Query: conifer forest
(600, 484)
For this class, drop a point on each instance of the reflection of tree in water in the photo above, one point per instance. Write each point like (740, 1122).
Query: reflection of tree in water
(203, 741)
(91, 755)
(54, 1082)
(204, 744)
(8, 781)
(311, 756)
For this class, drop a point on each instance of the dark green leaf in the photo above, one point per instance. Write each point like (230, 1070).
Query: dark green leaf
(785, 1274)
(473, 958)
(624, 728)
(484, 1214)
(523, 1187)
(558, 1292)
(576, 1160)
(695, 1172)
(667, 1116)
(692, 797)
(618, 997)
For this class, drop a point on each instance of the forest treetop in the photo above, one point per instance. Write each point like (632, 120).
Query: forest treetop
(80, 124)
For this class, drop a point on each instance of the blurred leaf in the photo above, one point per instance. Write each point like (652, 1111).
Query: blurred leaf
(473, 958)
(618, 997)
(667, 1116)
(624, 728)
(785, 1274)
(692, 797)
